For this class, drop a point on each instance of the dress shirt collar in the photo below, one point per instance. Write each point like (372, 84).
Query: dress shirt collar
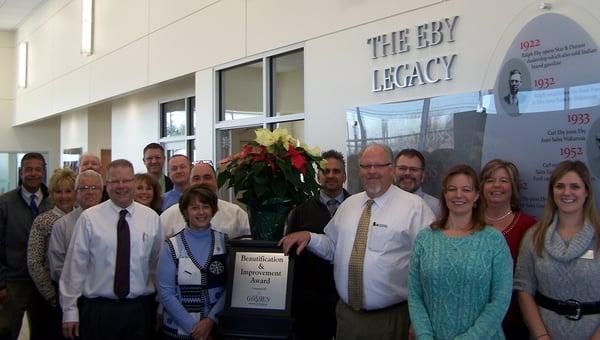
(324, 198)
(27, 195)
(419, 192)
(56, 210)
(380, 200)
(117, 209)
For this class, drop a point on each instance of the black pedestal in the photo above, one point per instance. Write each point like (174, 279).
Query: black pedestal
(259, 291)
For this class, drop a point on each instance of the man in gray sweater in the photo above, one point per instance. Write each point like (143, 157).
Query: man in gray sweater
(18, 208)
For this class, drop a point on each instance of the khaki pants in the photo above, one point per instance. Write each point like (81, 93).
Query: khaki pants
(387, 323)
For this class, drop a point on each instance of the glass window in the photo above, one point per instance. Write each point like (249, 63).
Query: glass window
(242, 91)
(229, 142)
(191, 112)
(174, 118)
(175, 148)
(178, 127)
(295, 128)
(288, 83)
(275, 80)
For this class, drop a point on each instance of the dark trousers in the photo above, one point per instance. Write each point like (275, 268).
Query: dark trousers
(24, 297)
(387, 323)
(101, 318)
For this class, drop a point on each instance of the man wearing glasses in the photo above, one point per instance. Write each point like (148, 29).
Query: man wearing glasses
(89, 161)
(230, 219)
(369, 240)
(111, 265)
(409, 175)
(154, 160)
(89, 188)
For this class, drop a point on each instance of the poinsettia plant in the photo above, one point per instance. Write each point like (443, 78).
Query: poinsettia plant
(275, 168)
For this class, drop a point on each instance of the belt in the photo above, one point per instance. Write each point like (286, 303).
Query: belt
(369, 311)
(140, 298)
(571, 309)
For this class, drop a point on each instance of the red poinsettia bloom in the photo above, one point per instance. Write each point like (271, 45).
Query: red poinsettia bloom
(297, 159)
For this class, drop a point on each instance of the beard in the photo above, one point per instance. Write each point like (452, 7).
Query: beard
(412, 187)
(372, 187)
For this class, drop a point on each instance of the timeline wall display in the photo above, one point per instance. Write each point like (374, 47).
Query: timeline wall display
(544, 109)
(546, 101)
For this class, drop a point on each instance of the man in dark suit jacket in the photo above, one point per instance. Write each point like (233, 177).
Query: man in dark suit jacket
(18, 208)
(315, 295)
(514, 83)
(154, 160)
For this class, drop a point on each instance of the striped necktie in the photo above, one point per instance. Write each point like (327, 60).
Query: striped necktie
(33, 205)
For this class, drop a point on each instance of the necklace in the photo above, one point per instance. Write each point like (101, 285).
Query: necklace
(496, 219)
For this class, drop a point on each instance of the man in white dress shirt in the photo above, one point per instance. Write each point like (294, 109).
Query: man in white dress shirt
(230, 219)
(395, 219)
(89, 188)
(111, 264)
(409, 175)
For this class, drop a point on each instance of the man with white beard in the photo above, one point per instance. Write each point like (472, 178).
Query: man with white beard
(369, 240)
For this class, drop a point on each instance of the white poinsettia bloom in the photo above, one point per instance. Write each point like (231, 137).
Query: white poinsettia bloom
(282, 135)
(265, 137)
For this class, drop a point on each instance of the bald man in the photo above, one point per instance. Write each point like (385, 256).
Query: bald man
(229, 219)
(89, 161)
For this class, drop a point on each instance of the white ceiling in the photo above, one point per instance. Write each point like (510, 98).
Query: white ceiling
(13, 12)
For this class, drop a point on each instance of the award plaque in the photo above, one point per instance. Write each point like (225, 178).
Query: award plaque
(259, 291)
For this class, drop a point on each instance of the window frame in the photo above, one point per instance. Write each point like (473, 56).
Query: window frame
(190, 135)
(268, 119)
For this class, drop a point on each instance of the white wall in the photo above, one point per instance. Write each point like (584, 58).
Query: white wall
(138, 43)
(39, 136)
(135, 119)
(74, 130)
(99, 127)
(141, 43)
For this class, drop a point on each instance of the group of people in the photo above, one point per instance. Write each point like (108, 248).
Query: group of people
(477, 268)
(93, 259)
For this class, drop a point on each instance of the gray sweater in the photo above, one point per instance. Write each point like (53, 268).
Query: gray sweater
(568, 269)
(15, 223)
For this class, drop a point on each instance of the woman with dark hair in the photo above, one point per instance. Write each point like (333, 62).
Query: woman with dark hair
(558, 269)
(501, 207)
(191, 269)
(147, 192)
(460, 277)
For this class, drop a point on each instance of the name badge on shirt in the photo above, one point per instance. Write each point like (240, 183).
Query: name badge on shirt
(375, 224)
(588, 255)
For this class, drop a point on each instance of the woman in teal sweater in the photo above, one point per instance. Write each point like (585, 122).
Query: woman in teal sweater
(460, 279)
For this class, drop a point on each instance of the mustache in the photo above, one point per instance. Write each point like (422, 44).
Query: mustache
(408, 177)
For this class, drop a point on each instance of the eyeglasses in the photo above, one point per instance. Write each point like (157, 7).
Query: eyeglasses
(410, 169)
(88, 188)
(374, 165)
(204, 161)
(120, 181)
